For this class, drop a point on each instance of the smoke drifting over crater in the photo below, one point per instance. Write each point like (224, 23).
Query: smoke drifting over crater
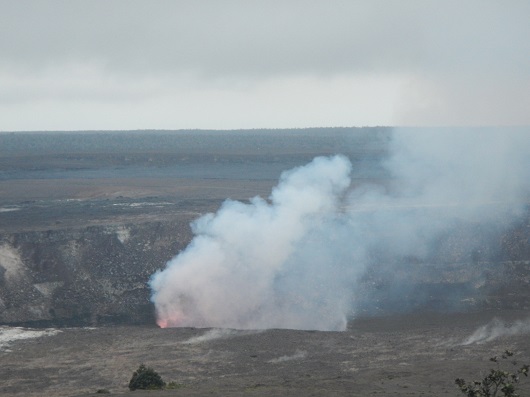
(297, 260)
(497, 329)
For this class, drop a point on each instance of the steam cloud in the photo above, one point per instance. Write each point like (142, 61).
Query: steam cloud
(296, 259)
(497, 329)
(215, 334)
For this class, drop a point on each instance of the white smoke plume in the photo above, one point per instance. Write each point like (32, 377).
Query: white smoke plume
(295, 260)
(215, 334)
(247, 267)
(497, 329)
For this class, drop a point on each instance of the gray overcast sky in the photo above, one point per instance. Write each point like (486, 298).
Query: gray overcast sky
(130, 64)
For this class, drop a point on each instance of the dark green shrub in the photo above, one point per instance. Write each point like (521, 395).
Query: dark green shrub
(146, 378)
(497, 383)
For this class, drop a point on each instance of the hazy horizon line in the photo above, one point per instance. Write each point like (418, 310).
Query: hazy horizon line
(256, 129)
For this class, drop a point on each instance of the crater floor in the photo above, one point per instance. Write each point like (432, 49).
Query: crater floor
(412, 355)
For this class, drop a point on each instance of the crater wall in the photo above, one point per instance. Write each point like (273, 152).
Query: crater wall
(91, 275)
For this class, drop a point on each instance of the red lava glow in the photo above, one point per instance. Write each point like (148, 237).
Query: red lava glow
(162, 323)
(170, 320)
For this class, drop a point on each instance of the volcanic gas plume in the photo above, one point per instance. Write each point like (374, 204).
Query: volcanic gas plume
(295, 260)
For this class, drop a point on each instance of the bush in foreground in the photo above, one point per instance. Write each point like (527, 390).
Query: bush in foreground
(497, 383)
(146, 378)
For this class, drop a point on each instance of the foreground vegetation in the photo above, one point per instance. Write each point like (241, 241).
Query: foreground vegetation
(498, 382)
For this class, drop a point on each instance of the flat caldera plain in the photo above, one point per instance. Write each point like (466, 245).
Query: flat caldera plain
(407, 355)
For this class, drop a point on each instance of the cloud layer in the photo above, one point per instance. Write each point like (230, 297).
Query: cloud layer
(443, 63)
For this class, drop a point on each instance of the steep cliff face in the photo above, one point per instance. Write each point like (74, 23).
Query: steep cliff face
(99, 274)
(91, 275)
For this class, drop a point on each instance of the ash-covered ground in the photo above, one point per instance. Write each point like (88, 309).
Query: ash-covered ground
(87, 218)
(409, 355)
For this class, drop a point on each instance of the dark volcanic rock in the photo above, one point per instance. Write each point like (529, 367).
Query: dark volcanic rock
(91, 275)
